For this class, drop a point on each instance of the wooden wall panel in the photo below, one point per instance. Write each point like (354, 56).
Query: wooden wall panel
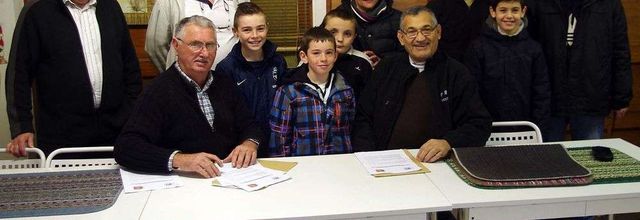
(632, 11)
(147, 68)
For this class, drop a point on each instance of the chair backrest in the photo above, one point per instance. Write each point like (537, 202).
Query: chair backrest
(23, 163)
(80, 163)
(518, 137)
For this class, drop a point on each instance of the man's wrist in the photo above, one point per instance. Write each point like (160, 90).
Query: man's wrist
(254, 141)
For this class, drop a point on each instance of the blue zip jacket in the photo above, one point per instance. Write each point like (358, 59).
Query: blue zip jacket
(256, 82)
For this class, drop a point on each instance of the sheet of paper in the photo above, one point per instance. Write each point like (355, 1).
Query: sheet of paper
(390, 161)
(136, 182)
(251, 178)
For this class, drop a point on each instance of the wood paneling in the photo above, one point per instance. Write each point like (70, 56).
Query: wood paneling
(147, 68)
(632, 11)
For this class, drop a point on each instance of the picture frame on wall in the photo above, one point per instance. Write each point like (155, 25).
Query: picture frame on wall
(136, 12)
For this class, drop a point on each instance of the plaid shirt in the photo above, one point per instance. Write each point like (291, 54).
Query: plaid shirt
(301, 124)
(203, 97)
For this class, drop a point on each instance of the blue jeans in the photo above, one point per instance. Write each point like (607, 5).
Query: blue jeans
(581, 127)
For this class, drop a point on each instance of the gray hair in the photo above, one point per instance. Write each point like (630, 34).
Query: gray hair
(197, 20)
(415, 10)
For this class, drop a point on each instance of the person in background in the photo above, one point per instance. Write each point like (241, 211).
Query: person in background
(377, 23)
(76, 61)
(253, 63)
(353, 64)
(165, 16)
(313, 110)
(461, 22)
(420, 99)
(586, 46)
(510, 66)
(189, 115)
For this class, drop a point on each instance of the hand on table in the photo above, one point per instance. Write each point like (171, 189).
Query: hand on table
(201, 163)
(243, 155)
(433, 150)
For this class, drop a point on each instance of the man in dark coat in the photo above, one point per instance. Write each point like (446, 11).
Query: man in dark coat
(423, 99)
(77, 58)
(587, 50)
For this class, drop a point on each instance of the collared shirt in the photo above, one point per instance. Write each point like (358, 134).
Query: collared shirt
(203, 97)
(89, 32)
(418, 65)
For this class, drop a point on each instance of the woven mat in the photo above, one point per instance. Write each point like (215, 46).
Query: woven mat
(622, 169)
(58, 193)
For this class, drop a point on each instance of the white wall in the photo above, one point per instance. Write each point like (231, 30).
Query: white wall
(10, 10)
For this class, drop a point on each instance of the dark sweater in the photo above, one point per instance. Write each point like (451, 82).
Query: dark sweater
(168, 117)
(47, 54)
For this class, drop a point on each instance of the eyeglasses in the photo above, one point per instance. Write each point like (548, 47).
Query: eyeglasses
(413, 33)
(197, 46)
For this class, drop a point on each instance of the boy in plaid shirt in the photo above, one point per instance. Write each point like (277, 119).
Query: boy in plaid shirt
(313, 110)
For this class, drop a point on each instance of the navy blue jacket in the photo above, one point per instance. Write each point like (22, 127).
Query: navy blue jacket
(257, 85)
(512, 75)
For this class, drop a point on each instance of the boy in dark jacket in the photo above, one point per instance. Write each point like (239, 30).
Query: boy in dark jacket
(353, 64)
(254, 64)
(586, 46)
(510, 67)
(312, 113)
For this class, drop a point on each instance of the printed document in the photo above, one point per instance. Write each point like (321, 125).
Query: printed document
(136, 182)
(390, 162)
(251, 178)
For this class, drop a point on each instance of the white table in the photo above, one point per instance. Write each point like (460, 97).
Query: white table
(537, 203)
(322, 187)
(128, 206)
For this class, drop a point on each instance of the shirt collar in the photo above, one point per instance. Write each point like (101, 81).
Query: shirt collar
(89, 4)
(193, 83)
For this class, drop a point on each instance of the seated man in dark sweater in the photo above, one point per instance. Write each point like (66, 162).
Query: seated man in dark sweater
(423, 99)
(189, 115)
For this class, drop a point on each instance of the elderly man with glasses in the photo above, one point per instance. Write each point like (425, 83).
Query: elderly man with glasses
(189, 115)
(421, 99)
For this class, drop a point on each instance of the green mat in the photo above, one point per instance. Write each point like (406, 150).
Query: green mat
(622, 169)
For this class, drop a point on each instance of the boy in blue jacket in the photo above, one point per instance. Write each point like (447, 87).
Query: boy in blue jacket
(510, 67)
(313, 111)
(254, 64)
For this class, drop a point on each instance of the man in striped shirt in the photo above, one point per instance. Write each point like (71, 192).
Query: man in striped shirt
(77, 58)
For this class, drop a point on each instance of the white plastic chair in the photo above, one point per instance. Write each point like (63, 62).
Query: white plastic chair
(81, 163)
(515, 138)
(23, 163)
